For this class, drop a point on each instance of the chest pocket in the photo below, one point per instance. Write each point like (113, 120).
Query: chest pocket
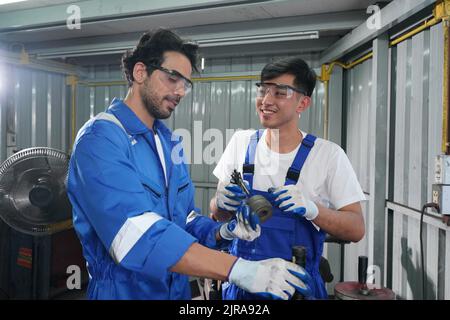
(182, 200)
(155, 194)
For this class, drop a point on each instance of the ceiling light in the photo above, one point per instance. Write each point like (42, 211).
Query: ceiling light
(214, 42)
(2, 2)
(274, 37)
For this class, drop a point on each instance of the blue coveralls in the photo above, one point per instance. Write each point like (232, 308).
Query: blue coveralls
(131, 226)
(282, 231)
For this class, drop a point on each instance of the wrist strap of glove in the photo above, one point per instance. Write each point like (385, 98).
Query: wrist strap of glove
(313, 211)
(225, 233)
(231, 268)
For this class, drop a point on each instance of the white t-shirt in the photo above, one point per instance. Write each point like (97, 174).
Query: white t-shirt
(159, 148)
(327, 176)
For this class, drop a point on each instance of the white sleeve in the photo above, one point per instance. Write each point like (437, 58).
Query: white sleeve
(342, 184)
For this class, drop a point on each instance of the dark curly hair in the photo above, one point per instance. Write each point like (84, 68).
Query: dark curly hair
(151, 48)
(305, 77)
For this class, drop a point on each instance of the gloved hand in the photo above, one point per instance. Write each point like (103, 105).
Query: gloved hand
(291, 199)
(244, 226)
(229, 197)
(272, 278)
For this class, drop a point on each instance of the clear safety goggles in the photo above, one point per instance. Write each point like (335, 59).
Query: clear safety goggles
(278, 91)
(173, 79)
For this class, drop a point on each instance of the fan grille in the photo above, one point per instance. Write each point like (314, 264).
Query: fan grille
(32, 152)
(27, 170)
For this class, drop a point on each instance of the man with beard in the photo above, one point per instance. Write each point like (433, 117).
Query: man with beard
(310, 181)
(133, 200)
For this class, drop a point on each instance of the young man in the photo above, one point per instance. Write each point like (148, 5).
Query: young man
(133, 200)
(309, 181)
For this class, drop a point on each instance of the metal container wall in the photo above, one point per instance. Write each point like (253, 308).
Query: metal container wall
(418, 127)
(358, 104)
(416, 116)
(34, 110)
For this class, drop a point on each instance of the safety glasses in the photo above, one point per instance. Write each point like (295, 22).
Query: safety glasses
(173, 79)
(278, 91)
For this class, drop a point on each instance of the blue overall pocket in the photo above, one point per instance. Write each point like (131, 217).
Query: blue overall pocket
(184, 197)
(154, 192)
(276, 240)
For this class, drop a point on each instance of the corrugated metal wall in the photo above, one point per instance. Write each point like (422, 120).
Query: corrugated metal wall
(418, 128)
(91, 100)
(416, 104)
(33, 110)
(358, 104)
(213, 110)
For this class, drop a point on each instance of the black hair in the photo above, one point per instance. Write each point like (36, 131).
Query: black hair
(304, 76)
(151, 48)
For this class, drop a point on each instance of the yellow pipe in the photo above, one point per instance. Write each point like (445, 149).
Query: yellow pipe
(427, 24)
(72, 81)
(442, 13)
(360, 60)
(439, 14)
(445, 89)
(73, 113)
(336, 63)
(325, 111)
(325, 78)
(328, 69)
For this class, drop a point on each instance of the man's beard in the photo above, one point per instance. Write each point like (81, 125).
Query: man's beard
(150, 102)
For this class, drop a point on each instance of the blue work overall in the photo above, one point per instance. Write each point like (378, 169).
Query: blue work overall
(282, 231)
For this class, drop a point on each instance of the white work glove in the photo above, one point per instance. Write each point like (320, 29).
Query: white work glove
(244, 225)
(291, 199)
(272, 278)
(229, 196)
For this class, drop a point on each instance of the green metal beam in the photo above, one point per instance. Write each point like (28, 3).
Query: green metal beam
(102, 10)
(331, 22)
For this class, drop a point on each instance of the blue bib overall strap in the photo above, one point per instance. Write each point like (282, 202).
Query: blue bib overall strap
(294, 171)
(248, 169)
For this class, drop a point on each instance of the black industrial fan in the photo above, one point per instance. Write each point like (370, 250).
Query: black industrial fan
(41, 243)
(33, 197)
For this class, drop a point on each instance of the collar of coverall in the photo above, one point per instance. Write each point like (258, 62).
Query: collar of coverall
(133, 125)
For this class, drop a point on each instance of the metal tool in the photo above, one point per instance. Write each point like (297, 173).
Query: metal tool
(299, 258)
(362, 290)
(257, 203)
